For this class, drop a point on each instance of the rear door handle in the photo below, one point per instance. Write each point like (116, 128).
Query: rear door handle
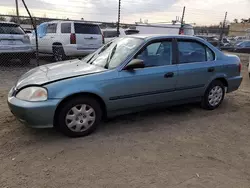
(210, 69)
(169, 75)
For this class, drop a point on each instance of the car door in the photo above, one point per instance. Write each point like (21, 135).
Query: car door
(49, 38)
(196, 67)
(247, 47)
(150, 85)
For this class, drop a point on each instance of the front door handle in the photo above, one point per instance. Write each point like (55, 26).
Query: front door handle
(210, 69)
(169, 75)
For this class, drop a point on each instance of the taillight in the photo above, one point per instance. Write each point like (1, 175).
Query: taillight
(103, 41)
(72, 38)
(240, 66)
(181, 32)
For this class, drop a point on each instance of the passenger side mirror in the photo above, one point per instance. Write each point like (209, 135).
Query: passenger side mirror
(134, 64)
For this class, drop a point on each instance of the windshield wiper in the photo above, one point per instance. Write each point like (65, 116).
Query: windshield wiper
(110, 57)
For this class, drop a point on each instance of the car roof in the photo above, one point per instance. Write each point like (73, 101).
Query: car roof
(161, 36)
(70, 21)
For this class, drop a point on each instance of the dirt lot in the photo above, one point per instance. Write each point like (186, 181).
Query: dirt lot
(181, 146)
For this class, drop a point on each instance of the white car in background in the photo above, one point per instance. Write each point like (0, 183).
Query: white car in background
(14, 43)
(111, 33)
(68, 38)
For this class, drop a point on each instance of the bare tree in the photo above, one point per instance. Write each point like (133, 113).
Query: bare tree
(236, 20)
(2, 18)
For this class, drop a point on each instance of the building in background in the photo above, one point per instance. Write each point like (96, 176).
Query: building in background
(239, 29)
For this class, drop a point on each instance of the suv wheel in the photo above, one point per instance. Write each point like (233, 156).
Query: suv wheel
(79, 117)
(58, 53)
(214, 95)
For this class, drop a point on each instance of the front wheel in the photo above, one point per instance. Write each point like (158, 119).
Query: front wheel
(214, 95)
(79, 117)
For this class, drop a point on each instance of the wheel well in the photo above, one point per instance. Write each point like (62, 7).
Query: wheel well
(223, 80)
(94, 96)
(56, 44)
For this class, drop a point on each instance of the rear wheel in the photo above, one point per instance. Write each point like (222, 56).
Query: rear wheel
(58, 53)
(79, 117)
(214, 95)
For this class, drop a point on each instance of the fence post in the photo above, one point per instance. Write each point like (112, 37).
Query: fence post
(34, 26)
(36, 36)
(119, 17)
(222, 30)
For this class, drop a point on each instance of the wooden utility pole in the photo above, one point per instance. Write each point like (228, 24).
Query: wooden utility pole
(182, 20)
(222, 29)
(17, 12)
(119, 17)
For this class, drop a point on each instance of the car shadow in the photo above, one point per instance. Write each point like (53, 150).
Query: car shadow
(145, 121)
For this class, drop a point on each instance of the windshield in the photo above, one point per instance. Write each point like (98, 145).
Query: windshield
(114, 53)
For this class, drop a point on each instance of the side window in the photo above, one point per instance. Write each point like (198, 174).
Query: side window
(210, 54)
(191, 51)
(248, 44)
(51, 28)
(157, 54)
(66, 28)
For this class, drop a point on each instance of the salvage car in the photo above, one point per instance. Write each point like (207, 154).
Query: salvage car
(126, 75)
(242, 47)
(14, 43)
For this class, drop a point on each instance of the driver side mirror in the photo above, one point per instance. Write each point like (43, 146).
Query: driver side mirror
(134, 64)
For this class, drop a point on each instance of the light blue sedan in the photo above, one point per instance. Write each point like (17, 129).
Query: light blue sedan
(126, 75)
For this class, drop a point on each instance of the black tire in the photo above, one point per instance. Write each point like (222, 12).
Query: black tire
(205, 100)
(58, 53)
(60, 122)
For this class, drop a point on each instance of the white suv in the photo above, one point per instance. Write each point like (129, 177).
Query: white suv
(68, 38)
(14, 43)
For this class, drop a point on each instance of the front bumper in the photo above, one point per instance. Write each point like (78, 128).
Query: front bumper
(34, 114)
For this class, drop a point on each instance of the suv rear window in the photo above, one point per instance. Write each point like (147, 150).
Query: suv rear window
(87, 29)
(10, 29)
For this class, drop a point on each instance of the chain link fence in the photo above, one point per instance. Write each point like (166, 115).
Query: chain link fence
(64, 38)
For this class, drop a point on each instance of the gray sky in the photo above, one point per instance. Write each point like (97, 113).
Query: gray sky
(198, 11)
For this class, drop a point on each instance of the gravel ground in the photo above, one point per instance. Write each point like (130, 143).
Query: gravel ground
(182, 146)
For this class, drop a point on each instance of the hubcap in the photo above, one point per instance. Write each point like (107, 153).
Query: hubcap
(215, 95)
(80, 118)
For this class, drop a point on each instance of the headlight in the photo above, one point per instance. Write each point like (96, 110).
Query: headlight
(33, 94)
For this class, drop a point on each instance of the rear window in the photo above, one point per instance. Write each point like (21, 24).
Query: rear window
(66, 27)
(131, 32)
(87, 29)
(11, 29)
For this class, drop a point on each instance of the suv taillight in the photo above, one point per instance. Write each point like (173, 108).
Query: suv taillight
(72, 38)
(181, 32)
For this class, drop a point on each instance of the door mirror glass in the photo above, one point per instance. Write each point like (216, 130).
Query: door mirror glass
(134, 64)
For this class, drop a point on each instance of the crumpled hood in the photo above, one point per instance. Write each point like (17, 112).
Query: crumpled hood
(57, 71)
